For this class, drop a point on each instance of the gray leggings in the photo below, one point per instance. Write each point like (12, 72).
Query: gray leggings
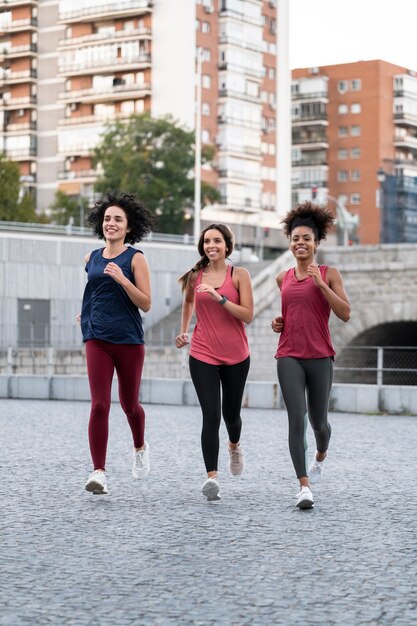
(298, 377)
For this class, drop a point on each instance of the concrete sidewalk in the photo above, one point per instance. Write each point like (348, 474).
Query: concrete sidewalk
(156, 553)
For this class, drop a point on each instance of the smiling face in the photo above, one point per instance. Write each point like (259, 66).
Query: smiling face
(302, 243)
(115, 224)
(214, 245)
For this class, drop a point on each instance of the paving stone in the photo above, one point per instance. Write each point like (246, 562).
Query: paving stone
(156, 553)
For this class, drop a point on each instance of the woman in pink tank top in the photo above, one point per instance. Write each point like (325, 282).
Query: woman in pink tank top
(305, 353)
(221, 296)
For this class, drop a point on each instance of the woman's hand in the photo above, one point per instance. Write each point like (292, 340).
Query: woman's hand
(314, 271)
(277, 324)
(204, 288)
(115, 272)
(78, 318)
(181, 340)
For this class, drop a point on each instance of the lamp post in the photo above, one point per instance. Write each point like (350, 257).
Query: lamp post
(197, 160)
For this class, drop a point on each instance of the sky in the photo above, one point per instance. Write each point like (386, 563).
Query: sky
(328, 32)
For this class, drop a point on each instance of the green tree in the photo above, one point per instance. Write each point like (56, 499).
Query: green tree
(153, 158)
(66, 209)
(14, 206)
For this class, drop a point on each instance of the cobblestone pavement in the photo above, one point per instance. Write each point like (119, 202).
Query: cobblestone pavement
(156, 553)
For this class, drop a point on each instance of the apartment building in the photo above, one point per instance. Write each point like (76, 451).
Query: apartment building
(348, 122)
(70, 66)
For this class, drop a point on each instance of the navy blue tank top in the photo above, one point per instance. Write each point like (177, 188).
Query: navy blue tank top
(107, 311)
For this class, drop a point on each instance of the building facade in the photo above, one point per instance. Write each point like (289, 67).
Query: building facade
(349, 121)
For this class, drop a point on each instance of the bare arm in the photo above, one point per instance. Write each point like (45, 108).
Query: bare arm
(242, 282)
(334, 292)
(140, 292)
(277, 323)
(181, 340)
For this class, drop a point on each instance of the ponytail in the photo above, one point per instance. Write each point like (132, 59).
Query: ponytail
(183, 280)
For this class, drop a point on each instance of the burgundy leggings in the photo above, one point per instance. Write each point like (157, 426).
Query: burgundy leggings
(102, 359)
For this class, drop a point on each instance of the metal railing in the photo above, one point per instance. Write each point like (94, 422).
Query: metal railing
(377, 365)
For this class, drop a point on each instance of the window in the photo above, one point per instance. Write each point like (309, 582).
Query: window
(355, 131)
(355, 153)
(355, 107)
(356, 84)
(205, 136)
(206, 54)
(342, 86)
(206, 81)
(343, 109)
(343, 131)
(342, 176)
(355, 175)
(342, 153)
(197, 25)
(205, 27)
(355, 198)
(205, 108)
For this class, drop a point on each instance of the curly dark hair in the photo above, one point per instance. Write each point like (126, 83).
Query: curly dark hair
(140, 220)
(316, 217)
(204, 261)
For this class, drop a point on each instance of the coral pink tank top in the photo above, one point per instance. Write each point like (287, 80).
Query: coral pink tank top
(305, 312)
(218, 338)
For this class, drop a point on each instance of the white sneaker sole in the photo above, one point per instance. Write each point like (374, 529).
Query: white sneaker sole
(96, 488)
(144, 474)
(305, 504)
(211, 491)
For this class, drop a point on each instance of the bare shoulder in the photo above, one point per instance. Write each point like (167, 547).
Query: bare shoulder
(139, 259)
(241, 272)
(280, 277)
(333, 273)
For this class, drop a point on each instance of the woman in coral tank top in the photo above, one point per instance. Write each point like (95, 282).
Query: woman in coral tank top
(309, 292)
(219, 355)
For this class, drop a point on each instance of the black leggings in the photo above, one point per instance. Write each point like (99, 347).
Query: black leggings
(207, 380)
(296, 377)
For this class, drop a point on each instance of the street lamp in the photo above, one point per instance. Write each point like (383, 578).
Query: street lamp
(197, 160)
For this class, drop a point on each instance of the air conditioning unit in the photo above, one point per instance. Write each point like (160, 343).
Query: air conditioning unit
(20, 112)
(73, 106)
(208, 9)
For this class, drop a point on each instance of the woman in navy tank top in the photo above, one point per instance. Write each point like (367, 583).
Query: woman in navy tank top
(305, 354)
(118, 286)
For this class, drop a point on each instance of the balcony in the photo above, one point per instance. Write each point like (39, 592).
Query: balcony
(20, 154)
(30, 23)
(241, 17)
(313, 96)
(309, 162)
(78, 175)
(80, 148)
(231, 93)
(19, 128)
(224, 38)
(236, 121)
(310, 119)
(406, 141)
(135, 34)
(106, 10)
(116, 64)
(8, 77)
(239, 175)
(240, 69)
(113, 93)
(311, 143)
(15, 52)
(6, 4)
(241, 150)
(25, 102)
(405, 118)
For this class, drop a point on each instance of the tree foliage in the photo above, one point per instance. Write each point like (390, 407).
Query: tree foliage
(153, 158)
(15, 206)
(69, 209)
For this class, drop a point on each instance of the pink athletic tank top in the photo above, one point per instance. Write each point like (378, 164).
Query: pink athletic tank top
(305, 312)
(218, 338)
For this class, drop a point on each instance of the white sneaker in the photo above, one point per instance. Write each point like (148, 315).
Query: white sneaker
(315, 471)
(305, 498)
(211, 489)
(141, 464)
(236, 461)
(96, 483)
